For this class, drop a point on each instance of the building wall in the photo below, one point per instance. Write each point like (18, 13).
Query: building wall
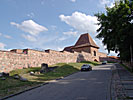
(89, 50)
(85, 49)
(96, 58)
(108, 59)
(17, 50)
(11, 60)
(101, 54)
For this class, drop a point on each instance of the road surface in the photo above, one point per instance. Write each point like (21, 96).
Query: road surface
(92, 85)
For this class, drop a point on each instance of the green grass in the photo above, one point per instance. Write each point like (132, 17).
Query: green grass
(91, 62)
(129, 97)
(10, 85)
(129, 69)
(61, 71)
(24, 71)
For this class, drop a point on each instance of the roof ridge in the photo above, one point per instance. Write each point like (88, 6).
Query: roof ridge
(85, 39)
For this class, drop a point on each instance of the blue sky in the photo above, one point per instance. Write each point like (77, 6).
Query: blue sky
(48, 24)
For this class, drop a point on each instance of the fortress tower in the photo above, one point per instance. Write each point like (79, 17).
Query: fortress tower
(86, 44)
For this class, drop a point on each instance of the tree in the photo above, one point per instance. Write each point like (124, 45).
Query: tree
(116, 28)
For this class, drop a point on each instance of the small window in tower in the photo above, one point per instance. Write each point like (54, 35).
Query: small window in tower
(94, 53)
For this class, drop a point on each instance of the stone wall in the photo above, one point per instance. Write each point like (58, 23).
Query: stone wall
(104, 57)
(11, 60)
(108, 59)
(85, 49)
(96, 56)
(17, 50)
(101, 54)
(32, 58)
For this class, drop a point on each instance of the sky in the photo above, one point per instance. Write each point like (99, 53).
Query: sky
(48, 24)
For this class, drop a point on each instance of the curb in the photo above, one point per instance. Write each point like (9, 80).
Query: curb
(117, 90)
(34, 87)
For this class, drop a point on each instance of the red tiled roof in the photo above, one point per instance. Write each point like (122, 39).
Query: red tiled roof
(68, 48)
(85, 40)
(114, 57)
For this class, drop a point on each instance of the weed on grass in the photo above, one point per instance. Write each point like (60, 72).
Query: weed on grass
(24, 71)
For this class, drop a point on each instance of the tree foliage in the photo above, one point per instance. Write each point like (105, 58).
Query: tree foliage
(116, 28)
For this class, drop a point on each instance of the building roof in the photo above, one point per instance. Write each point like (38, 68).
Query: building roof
(68, 48)
(85, 40)
(113, 57)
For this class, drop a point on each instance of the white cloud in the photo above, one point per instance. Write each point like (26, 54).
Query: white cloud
(30, 26)
(31, 15)
(84, 23)
(2, 45)
(42, 42)
(112, 53)
(29, 37)
(53, 27)
(70, 33)
(9, 49)
(7, 36)
(81, 22)
(103, 48)
(73, 0)
(109, 3)
(100, 44)
(0, 34)
(104, 2)
(60, 49)
(62, 38)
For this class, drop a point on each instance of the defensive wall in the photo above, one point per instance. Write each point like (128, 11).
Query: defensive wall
(18, 59)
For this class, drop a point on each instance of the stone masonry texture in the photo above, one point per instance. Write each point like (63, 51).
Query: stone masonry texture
(12, 60)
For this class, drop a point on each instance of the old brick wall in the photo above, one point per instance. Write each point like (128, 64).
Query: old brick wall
(85, 49)
(101, 54)
(11, 60)
(92, 53)
(104, 57)
(108, 59)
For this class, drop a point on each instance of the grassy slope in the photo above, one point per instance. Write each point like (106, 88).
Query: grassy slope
(11, 85)
(126, 67)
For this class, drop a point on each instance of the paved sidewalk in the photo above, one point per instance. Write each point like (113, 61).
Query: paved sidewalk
(121, 84)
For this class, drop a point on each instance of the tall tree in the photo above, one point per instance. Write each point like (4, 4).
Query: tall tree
(116, 28)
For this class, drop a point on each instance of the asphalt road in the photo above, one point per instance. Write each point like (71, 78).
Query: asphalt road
(92, 85)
